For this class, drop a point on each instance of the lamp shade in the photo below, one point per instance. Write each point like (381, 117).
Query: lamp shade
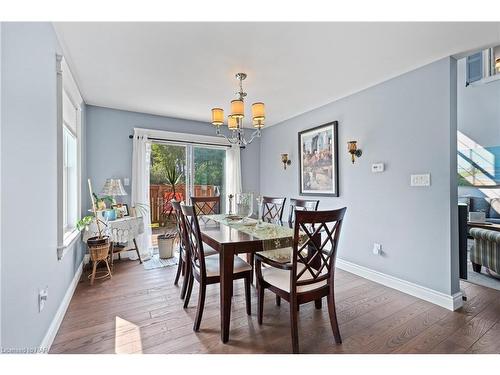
(232, 122)
(258, 111)
(237, 109)
(217, 116)
(352, 146)
(113, 187)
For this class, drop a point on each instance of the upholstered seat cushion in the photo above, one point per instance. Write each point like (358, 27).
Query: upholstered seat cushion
(212, 265)
(206, 249)
(283, 255)
(281, 278)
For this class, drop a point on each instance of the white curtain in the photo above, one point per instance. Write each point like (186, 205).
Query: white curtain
(233, 173)
(140, 192)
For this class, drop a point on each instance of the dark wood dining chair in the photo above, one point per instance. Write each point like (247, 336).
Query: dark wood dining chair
(301, 205)
(272, 212)
(206, 205)
(309, 273)
(205, 269)
(183, 263)
(272, 209)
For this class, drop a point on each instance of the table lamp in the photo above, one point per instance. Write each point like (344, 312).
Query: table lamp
(113, 187)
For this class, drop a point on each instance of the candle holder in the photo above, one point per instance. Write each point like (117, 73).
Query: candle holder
(259, 200)
(230, 196)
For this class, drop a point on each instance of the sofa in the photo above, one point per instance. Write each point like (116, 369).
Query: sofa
(486, 250)
(490, 206)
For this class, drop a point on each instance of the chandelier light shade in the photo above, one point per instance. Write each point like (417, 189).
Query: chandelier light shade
(237, 114)
(232, 122)
(258, 114)
(237, 109)
(217, 116)
(258, 111)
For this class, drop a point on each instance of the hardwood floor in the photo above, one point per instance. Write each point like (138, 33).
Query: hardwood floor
(140, 311)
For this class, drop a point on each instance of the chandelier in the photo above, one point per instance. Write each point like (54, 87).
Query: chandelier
(235, 119)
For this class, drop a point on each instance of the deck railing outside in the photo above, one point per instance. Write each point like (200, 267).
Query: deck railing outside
(160, 196)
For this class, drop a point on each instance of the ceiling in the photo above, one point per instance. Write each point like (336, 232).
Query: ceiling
(184, 69)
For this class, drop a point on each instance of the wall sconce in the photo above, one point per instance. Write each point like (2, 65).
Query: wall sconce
(353, 150)
(285, 160)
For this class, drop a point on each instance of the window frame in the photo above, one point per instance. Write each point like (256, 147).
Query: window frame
(66, 85)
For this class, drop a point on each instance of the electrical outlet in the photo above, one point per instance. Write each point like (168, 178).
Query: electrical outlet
(126, 181)
(377, 167)
(43, 294)
(377, 249)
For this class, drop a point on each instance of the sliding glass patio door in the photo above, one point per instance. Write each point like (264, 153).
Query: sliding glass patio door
(179, 171)
(208, 171)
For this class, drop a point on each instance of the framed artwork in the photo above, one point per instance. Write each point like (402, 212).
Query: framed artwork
(318, 161)
(123, 208)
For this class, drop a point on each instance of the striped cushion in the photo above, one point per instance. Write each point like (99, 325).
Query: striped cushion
(486, 249)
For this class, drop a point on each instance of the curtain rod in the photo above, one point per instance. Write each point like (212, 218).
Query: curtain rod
(131, 136)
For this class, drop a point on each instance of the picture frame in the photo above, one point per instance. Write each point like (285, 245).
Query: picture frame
(123, 207)
(318, 160)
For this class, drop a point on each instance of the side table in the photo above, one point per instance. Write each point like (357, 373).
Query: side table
(120, 231)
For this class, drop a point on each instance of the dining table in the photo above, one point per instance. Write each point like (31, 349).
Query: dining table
(230, 237)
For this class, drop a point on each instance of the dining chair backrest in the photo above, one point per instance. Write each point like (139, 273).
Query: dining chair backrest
(308, 230)
(272, 209)
(194, 241)
(181, 229)
(206, 205)
(301, 205)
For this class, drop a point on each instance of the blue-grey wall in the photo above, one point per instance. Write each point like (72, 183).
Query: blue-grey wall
(109, 149)
(409, 124)
(29, 185)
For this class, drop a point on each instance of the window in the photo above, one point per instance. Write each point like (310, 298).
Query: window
(474, 67)
(483, 66)
(70, 181)
(69, 149)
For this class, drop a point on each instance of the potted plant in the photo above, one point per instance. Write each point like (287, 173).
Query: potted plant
(102, 203)
(98, 245)
(173, 175)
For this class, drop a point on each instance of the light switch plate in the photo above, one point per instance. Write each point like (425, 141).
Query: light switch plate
(126, 181)
(377, 167)
(420, 179)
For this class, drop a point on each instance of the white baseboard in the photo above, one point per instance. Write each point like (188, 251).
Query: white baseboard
(61, 311)
(450, 302)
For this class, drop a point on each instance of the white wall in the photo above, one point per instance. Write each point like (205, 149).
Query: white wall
(478, 109)
(479, 122)
(409, 124)
(29, 185)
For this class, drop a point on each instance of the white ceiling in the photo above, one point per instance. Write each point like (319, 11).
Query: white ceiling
(184, 69)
